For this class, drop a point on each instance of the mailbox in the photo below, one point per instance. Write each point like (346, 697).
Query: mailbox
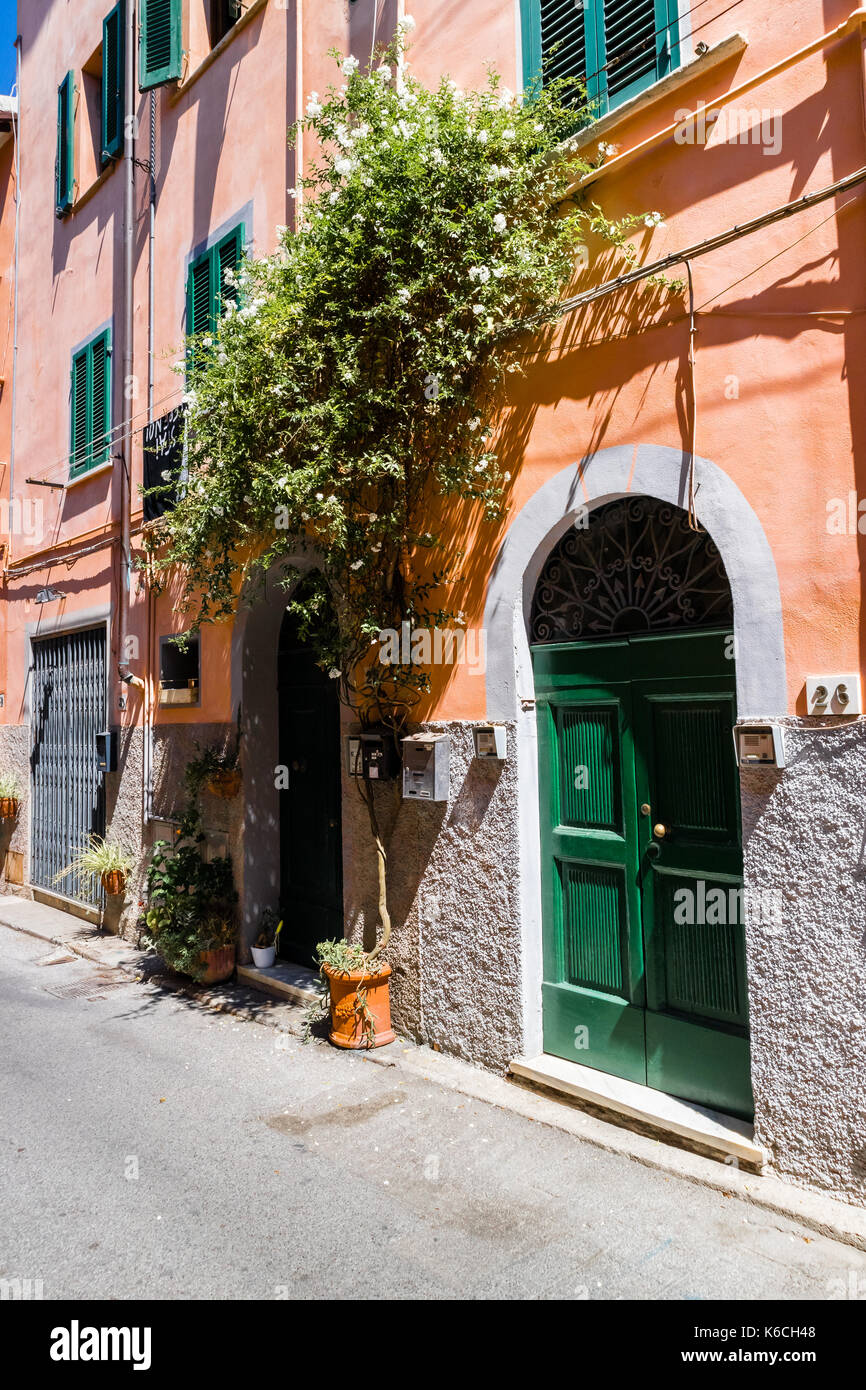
(106, 750)
(759, 745)
(490, 741)
(426, 767)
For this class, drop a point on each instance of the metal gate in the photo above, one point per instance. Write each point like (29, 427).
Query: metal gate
(68, 799)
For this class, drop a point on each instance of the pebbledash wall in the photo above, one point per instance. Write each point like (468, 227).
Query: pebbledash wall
(603, 411)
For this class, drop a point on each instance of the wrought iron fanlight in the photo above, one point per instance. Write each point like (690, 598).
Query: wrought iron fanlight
(637, 567)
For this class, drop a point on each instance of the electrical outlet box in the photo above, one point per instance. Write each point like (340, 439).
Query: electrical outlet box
(426, 767)
(491, 741)
(759, 745)
(372, 756)
(106, 750)
(834, 694)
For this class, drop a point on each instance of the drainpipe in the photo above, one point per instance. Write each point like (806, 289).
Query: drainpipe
(16, 134)
(128, 351)
(147, 753)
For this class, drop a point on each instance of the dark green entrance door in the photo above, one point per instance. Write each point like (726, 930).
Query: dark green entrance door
(311, 855)
(644, 958)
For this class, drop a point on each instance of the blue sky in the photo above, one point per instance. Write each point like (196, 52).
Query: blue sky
(8, 31)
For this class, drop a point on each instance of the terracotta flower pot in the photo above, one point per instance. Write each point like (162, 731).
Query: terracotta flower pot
(9, 807)
(220, 964)
(225, 783)
(114, 882)
(348, 1023)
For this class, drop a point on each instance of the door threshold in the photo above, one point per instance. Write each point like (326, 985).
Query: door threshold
(293, 982)
(723, 1135)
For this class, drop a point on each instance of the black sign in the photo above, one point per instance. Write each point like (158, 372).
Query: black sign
(163, 461)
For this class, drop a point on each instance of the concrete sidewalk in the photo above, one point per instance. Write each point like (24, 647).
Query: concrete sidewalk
(836, 1219)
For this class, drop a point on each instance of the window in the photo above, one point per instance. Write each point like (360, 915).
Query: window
(618, 47)
(224, 15)
(64, 168)
(113, 73)
(179, 671)
(207, 289)
(91, 405)
(160, 44)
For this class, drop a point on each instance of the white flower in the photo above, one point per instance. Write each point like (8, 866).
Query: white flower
(607, 151)
(178, 367)
(362, 130)
(281, 230)
(437, 156)
(344, 167)
(500, 222)
(473, 424)
(384, 72)
(482, 137)
(478, 309)
(166, 475)
(407, 23)
(190, 399)
(509, 134)
(506, 97)
(314, 106)
(403, 295)
(480, 467)
(479, 272)
(332, 197)
(292, 192)
(372, 517)
(320, 496)
(506, 477)
(357, 565)
(349, 66)
(653, 219)
(367, 181)
(335, 673)
(498, 272)
(343, 136)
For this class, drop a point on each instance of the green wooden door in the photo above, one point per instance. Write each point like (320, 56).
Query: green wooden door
(644, 956)
(311, 856)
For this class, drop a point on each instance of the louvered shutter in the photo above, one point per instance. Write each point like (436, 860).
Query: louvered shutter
(228, 255)
(113, 60)
(563, 39)
(64, 168)
(160, 51)
(634, 32)
(99, 400)
(78, 459)
(200, 296)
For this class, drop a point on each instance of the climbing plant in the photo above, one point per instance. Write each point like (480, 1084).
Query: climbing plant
(351, 388)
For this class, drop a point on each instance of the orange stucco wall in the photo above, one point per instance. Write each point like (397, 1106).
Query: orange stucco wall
(780, 347)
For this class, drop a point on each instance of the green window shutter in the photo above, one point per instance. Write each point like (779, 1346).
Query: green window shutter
(91, 405)
(113, 73)
(78, 454)
(228, 256)
(618, 47)
(160, 38)
(64, 169)
(199, 297)
(100, 399)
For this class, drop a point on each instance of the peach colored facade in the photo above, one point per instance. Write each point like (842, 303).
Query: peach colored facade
(777, 409)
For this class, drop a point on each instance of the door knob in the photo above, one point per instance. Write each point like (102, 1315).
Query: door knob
(646, 809)
(660, 831)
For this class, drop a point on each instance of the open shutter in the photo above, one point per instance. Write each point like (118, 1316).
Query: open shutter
(199, 299)
(113, 64)
(160, 51)
(227, 258)
(64, 168)
(640, 44)
(78, 460)
(563, 39)
(100, 352)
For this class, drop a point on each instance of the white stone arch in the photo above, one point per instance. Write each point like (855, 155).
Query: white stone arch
(640, 470)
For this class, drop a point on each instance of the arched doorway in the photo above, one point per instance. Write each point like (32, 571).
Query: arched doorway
(311, 857)
(644, 972)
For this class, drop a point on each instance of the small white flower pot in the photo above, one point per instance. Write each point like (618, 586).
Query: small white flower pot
(263, 956)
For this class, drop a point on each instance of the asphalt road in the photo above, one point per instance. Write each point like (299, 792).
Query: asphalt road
(149, 1148)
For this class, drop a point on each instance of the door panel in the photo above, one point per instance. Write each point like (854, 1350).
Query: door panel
(593, 957)
(644, 953)
(311, 855)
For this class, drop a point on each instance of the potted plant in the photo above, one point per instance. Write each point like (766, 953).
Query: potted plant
(107, 858)
(358, 994)
(265, 948)
(10, 796)
(190, 915)
(217, 769)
